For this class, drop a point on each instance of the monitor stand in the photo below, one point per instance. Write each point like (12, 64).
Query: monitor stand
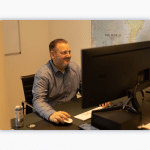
(123, 117)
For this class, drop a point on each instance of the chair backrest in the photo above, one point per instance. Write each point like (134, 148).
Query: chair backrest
(27, 82)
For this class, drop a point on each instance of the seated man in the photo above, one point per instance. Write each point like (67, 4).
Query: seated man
(58, 81)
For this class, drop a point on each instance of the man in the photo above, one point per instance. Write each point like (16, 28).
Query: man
(58, 81)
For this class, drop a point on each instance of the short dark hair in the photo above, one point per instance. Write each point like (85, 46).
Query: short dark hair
(53, 44)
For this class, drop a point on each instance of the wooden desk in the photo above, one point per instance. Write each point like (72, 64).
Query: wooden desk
(72, 107)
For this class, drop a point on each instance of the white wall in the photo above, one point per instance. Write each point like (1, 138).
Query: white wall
(4, 114)
(35, 37)
(34, 53)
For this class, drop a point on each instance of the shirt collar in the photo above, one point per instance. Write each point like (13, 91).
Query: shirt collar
(55, 69)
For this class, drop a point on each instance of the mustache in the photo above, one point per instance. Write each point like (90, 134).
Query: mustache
(68, 58)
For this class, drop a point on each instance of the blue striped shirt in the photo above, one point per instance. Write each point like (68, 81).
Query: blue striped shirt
(52, 87)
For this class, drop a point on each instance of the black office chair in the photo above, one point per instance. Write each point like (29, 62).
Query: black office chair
(27, 82)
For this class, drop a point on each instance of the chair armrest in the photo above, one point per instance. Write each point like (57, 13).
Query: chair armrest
(28, 104)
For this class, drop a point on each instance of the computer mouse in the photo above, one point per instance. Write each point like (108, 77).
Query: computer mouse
(68, 121)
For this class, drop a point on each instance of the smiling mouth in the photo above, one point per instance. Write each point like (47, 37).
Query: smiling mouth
(67, 59)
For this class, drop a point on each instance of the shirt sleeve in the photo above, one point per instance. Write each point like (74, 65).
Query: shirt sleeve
(40, 94)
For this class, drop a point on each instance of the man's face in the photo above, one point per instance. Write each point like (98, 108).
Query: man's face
(61, 56)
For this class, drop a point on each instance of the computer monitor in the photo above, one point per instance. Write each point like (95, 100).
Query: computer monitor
(110, 72)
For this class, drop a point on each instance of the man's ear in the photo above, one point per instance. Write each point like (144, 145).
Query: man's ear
(52, 54)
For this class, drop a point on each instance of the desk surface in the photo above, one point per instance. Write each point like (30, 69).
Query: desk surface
(73, 107)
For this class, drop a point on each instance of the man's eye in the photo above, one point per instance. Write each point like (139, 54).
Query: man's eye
(66, 52)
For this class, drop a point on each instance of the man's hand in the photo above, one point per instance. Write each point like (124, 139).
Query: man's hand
(105, 104)
(59, 116)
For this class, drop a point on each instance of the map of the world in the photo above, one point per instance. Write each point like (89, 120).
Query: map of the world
(114, 32)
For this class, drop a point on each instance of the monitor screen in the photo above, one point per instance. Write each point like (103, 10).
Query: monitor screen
(108, 72)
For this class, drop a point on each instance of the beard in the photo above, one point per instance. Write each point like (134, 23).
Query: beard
(62, 63)
(66, 60)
